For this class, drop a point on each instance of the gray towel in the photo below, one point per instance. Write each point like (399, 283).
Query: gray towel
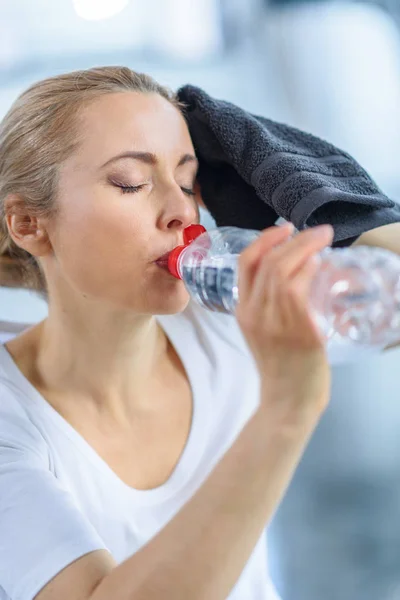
(254, 170)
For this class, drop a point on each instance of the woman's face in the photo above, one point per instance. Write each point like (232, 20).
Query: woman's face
(125, 197)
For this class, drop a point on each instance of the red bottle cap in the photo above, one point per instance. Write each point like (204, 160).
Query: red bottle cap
(192, 232)
(189, 234)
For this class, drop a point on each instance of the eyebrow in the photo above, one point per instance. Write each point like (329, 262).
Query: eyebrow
(149, 158)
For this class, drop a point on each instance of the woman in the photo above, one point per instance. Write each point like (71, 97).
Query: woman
(145, 442)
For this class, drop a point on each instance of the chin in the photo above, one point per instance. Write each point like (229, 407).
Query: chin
(160, 302)
(171, 304)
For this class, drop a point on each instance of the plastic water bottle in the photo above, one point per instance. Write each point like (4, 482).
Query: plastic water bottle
(355, 294)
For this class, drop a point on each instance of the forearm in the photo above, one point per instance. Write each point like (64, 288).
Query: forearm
(201, 553)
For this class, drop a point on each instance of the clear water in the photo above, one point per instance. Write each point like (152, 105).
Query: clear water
(213, 286)
(359, 308)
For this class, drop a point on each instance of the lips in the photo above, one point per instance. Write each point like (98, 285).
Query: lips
(162, 261)
(164, 257)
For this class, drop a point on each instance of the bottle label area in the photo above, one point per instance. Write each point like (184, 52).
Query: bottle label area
(213, 287)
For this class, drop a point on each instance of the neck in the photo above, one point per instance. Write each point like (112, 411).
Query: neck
(107, 361)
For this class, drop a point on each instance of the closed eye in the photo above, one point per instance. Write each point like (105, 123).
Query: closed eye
(188, 191)
(131, 189)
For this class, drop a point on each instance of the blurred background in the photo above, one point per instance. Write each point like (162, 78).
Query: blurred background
(331, 68)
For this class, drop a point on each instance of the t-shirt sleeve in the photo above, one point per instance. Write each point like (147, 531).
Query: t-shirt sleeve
(41, 529)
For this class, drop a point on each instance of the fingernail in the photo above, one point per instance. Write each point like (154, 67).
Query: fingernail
(289, 227)
(322, 229)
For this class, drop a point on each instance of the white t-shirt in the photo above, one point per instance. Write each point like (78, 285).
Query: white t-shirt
(60, 500)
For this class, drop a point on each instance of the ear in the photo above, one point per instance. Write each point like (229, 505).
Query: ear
(26, 230)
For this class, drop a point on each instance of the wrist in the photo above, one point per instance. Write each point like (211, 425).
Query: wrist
(290, 418)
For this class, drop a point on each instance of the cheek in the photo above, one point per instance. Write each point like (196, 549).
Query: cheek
(99, 244)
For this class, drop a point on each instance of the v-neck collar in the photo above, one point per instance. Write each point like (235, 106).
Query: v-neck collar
(178, 334)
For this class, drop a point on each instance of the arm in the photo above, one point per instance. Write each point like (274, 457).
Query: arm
(202, 551)
(388, 237)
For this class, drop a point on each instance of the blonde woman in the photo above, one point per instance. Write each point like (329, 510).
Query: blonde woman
(145, 443)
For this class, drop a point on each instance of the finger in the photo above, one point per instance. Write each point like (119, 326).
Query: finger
(294, 297)
(273, 265)
(265, 289)
(250, 258)
(268, 285)
(304, 278)
(290, 257)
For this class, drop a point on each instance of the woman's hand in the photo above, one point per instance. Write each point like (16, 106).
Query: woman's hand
(275, 318)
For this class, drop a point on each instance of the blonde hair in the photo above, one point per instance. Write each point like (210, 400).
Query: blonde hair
(37, 134)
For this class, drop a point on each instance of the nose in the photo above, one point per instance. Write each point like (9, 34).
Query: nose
(179, 211)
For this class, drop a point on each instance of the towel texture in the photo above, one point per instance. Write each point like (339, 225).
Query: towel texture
(254, 170)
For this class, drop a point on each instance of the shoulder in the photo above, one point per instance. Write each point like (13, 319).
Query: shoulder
(18, 433)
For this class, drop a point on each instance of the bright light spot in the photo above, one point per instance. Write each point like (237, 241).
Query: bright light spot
(95, 10)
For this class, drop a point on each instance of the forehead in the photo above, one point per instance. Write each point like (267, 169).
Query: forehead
(132, 121)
